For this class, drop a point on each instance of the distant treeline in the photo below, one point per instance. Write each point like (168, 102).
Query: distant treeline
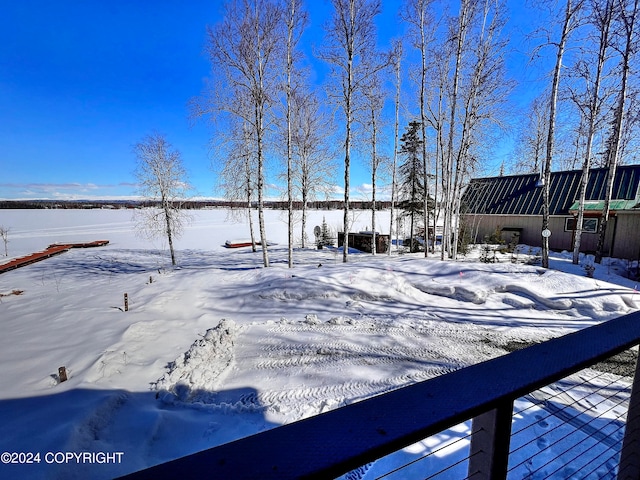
(189, 204)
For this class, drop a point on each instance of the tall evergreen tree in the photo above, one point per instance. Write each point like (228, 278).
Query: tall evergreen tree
(411, 177)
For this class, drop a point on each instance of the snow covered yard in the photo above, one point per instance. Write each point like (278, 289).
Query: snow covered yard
(220, 348)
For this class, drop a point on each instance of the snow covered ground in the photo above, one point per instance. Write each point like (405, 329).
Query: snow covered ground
(220, 348)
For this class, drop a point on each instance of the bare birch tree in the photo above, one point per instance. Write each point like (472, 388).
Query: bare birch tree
(295, 21)
(601, 19)
(4, 234)
(397, 67)
(244, 48)
(350, 38)
(312, 169)
(628, 11)
(458, 36)
(162, 179)
(237, 178)
(477, 95)
(572, 7)
(437, 119)
(533, 137)
(373, 105)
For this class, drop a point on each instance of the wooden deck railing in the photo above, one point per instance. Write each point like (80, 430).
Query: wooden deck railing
(333, 443)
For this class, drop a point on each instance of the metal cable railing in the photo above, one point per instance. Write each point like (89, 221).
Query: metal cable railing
(568, 419)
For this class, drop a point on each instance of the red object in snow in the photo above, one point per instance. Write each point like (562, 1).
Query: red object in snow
(237, 243)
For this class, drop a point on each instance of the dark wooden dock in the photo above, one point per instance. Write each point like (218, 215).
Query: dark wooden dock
(50, 251)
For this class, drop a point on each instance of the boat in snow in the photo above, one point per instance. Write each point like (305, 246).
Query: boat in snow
(243, 243)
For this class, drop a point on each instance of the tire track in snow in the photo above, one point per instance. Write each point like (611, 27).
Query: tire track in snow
(346, 353)
(384, 358)
(318, 398)
(436, 344)
(362, 325)
(311, 366)
(416, 326)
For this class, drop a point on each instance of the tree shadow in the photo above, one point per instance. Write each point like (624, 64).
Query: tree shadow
(122, 431)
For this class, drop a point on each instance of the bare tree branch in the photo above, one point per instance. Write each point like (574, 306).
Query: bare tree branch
(162, 179)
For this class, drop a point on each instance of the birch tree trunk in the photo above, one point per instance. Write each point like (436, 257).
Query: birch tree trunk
(244, 49)
(423, 119)
(263, 233)
(568, 14)
(449, 168)
(162, 177)
(249, 192)
(603, 24)
(167, 220)
(295, 20)
(374, 169)
(304, 217)
(347, 157)
(396, 126)
(351, 38)
(628, 23)
(260, 101)
(290, 28)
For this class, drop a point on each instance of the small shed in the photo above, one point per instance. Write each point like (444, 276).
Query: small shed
(364, 240)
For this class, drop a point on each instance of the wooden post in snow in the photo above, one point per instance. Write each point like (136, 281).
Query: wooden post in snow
(126, 302)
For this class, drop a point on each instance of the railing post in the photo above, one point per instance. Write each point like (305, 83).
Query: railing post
(630, 455)
(490, 440)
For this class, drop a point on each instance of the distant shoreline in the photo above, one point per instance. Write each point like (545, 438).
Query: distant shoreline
(187, 204)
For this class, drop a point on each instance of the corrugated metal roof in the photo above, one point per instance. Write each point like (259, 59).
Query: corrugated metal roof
(522, 195)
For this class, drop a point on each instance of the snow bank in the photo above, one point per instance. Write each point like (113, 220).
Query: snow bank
(195, 374)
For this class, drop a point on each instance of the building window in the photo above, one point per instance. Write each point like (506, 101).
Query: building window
(589, 225)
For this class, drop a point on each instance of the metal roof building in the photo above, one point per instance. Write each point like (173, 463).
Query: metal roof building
(522, 194)
(515, 202)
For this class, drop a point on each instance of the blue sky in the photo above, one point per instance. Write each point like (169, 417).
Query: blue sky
(82, 82)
